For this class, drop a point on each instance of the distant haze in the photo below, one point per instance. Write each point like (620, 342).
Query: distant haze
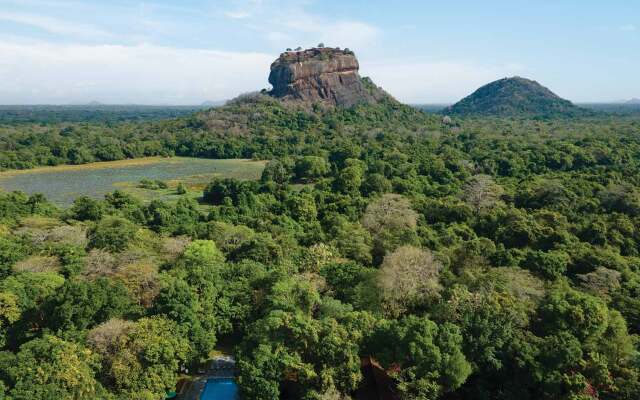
(196, 51)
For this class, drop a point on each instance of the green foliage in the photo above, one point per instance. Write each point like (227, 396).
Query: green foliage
(310, 167)
(86, 209)
(79, 305)
(342, 279)
(202, 252)
(429, 356)
(309, 356)
(141, 360)
(483, 258)
(51, 368)
(181, 188)
(550, 265)
(152, 184)
(11, 250)
(112, 233)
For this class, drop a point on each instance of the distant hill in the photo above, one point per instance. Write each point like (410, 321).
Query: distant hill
(617, 108)
(515, 97)
(633, 101)
(100, 113)
(432, 108)
(215, 103)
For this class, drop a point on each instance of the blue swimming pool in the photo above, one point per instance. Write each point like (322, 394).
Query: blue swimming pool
(220, 389)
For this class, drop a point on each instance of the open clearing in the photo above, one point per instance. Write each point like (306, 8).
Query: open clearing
(62, 184)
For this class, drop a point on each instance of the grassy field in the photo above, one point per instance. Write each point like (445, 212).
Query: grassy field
(62, 184)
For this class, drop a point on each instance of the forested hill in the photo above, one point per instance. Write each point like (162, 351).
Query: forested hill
(515, 97)
(253, 126)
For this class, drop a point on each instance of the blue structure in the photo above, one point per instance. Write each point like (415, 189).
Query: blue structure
(220, 389)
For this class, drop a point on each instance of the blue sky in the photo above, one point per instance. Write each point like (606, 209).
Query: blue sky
(187, 52)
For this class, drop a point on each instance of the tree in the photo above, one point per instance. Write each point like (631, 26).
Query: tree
(202, 252)
(408, 277)
(309, 168)
(51, 368)
(112, 233)
(226, 236)
(376, 184)
(141, 360)
(25, 293)
(275, 171)
(303, 356)
(178, 302)
(86, 209)
(103, 339)
(349, 179)
(481, 192)
(550, 265)
(428, 358)
(11, 250)
(9, 313)
(391, 211)
(602, 282)
(181, 188)
(261, 248)
(303, 207)
(621, 198)
(565, 309)
(586, 346)
(220, 189)
(491, 324)
(343, 277)
(80, 305)
(392, 223)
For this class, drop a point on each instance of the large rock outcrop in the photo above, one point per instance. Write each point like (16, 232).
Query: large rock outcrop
(324, 75)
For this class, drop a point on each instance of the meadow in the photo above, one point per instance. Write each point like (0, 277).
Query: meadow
(62, 184)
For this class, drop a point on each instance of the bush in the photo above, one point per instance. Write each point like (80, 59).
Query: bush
(86, 209)
(112, 234)
(550, 265)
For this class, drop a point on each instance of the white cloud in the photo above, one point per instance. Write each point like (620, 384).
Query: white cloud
(237, 14)
(434, 82)
(349, 34)
(244, 9)
(146, 74)
(279, 38)
(288, 23)
(628, 28)
(54, 25)
(344, 33)
(37, 72)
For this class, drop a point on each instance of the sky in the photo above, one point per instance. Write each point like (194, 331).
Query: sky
(420, 51)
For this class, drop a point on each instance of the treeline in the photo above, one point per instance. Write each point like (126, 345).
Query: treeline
(54, 114)
(498, 259)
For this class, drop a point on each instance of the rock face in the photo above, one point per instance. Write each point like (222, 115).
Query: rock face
(325, 75)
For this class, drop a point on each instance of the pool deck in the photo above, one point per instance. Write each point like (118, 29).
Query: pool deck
(220, 367)
(193, 389)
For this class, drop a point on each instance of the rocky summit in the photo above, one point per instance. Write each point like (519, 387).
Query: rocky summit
(321, 74)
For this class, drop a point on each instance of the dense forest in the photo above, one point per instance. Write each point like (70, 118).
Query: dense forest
(472, 258)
